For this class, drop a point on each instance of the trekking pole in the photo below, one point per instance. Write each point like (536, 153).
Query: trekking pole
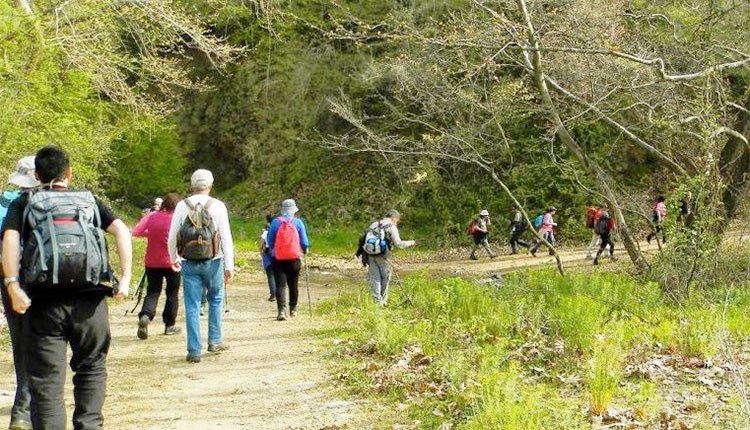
(138, 293)
(307, 283)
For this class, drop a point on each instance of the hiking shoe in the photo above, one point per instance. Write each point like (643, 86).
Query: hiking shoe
(271, 299)
(474, 257)
(596, 261)
(20, 425)
(217, 347)
(281, 316)
(533, 253)
(193, 358)
(172, 330)
(293, 313)
(612, 257)
(143, 327)
(493, 256)
(203, 309)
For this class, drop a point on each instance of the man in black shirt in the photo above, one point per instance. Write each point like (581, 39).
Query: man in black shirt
(75, 314)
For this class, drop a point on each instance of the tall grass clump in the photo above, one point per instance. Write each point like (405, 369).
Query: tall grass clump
(536, 351)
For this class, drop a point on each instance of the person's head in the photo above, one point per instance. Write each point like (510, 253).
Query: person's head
(23, 177)
(484, 213)
(552, 209)
(513, 209)
(269, 218)
(660, 199)
(201, 181)
(52, 165)
(289, 207)
(170, 202)
(157, 203)
(393, 215)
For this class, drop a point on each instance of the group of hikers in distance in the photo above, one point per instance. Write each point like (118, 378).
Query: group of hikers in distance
(56, 275)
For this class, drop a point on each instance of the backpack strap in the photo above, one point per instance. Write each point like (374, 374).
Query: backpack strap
(209, 203)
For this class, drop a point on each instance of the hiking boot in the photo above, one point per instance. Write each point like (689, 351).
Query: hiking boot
(19, 425)
(143, 327)
(281, 316)
(193, 358)
(474, 257)
(533, 253)
(172, 330)
(217, 347)
(271, 299)
(293, 312)
(596, 261)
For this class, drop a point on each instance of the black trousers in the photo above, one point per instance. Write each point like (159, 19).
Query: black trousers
(82, 322)
(606, 240)
(155, 278)
(20, 409)
(287, 277)
(515, 240)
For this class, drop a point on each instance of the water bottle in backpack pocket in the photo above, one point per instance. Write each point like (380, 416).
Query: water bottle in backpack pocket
(198, 238)
(66, 247)
(376, 241)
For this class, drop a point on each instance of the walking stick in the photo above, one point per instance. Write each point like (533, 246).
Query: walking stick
(307, 283)
(138, 293)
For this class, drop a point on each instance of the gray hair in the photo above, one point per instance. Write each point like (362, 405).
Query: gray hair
(392, 213)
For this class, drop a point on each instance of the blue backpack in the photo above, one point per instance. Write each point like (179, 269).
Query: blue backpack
(539, 221)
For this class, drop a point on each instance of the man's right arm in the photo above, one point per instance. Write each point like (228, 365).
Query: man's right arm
(20, 301)
(174, 227)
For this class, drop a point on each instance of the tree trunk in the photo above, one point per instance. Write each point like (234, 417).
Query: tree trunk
(26, 6)
(735, 165)
(534, 62)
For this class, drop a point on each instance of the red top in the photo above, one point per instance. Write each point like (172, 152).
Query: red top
(155, 227)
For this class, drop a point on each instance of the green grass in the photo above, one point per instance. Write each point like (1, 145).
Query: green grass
(542, 351)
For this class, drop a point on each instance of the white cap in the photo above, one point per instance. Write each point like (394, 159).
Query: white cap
(202, 179)
(24, 174)
(484, 213)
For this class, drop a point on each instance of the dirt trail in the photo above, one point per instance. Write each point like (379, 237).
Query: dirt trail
(272, 377)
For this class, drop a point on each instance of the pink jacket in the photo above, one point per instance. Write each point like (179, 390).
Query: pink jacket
(661, 209)
(548, 224)
(155, 227)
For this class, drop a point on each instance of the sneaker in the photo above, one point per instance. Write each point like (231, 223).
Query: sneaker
(474, 257)
(193, 358)
(533, 253)
(493, 256)
(217, 347)
(596, 261)
(281, 316)
(20, 425)
(172, 330)
(203, 309)
(271, 299)
(143, 327)
(293, 312)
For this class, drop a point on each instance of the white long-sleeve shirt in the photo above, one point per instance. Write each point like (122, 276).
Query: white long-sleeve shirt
(220, 218)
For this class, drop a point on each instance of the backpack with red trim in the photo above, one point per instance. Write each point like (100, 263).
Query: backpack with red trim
(66, 247)
(286, 244)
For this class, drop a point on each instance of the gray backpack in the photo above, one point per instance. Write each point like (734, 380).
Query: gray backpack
(66, 247)
(198, 238)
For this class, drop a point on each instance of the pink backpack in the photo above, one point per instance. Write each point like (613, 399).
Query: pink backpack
(286, 244)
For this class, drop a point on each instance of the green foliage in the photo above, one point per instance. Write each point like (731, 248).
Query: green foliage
(537, 352)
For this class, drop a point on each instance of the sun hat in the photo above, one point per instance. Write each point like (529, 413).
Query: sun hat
(24, 175)
(201, 180)
(289, 206)
(552, 209)
(484, 212)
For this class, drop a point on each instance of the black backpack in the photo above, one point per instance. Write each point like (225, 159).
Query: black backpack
(66, 247)
(602, 224)
(198, 238)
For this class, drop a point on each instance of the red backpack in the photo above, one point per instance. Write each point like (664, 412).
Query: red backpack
(286, 244)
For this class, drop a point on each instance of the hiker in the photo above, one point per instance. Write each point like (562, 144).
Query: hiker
(685, 210)
(265, 256)
(658, 214)
(156, 206)
(62, 290)
(592, 216)
(24, 181)
(478, 230)
(604, 227)
(517, 227)
(380, 239)
(155, 228)
(547, 230)
(287, 239)
(200, 246)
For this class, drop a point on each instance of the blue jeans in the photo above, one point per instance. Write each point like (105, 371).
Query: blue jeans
(196, 275)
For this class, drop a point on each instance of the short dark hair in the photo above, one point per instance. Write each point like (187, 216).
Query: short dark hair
(51, 163)
(660, 199)
(269, 218)
(170, 202)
